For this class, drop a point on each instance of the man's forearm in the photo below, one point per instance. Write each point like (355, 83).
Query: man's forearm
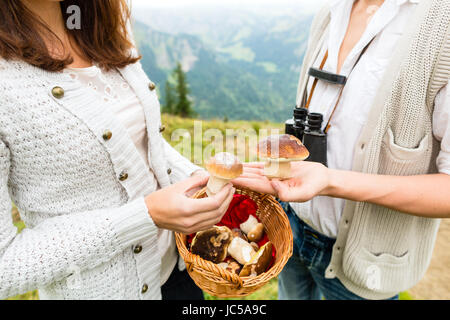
(424, 195)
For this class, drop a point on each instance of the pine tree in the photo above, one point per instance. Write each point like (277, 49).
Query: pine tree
(183, 106)
(169, 106)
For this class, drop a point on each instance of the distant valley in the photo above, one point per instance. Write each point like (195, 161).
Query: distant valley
(240, 64)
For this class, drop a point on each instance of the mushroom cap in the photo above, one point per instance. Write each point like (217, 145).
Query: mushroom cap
(225, 165)
(259, 262)
(212, 244)
(282, 148)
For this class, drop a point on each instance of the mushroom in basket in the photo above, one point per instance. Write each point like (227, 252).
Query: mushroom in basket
(231, 251)
(212, 244)
(253, 229)
(259, 262)
(278, 151)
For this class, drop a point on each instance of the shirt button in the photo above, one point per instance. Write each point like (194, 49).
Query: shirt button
(123, 176)
(169, 171)
(107, 135)
(152, 86)
(137, 249)
(144, 288)
(162, 128)
(58, 92)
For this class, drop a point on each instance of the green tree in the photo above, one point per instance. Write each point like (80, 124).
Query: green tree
(169, 106)
(183, 106)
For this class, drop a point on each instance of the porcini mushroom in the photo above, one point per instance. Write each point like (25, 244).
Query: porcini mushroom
(223, 167)
(234, 267)
(231, 266)
(241, 250)
(212, 244)
(256, 233)
(259, 262)
(278, 151)
(253, 229)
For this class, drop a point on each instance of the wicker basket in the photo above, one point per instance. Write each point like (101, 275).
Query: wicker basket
(219, 282)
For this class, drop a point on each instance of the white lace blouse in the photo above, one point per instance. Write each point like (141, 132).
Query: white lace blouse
(127, 109)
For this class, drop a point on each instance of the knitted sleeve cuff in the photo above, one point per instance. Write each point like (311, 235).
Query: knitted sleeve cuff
(133, 223)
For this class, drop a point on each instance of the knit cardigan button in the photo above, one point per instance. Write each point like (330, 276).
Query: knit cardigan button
(137, 249)
(144, 288)
(123, 176)
(107, 135)
(152, 86)
(169, 171)
(162, 128)
(58, 92)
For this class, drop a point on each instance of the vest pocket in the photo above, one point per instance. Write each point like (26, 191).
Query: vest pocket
(399, 160)
(403, 153)
(387, 259)
(383, 273)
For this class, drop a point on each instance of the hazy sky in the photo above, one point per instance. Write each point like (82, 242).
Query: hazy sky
(165, 3)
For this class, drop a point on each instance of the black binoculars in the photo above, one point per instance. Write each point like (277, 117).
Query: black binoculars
(307, 127)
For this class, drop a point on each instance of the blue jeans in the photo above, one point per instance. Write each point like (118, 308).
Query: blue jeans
(303, 277)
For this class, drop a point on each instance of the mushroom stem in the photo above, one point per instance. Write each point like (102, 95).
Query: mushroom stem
(277, 169)
(215, 184)
(248, 225)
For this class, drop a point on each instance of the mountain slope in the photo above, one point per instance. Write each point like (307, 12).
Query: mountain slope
(250, 72)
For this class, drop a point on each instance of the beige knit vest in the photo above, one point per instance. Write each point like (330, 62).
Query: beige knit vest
(380, 252)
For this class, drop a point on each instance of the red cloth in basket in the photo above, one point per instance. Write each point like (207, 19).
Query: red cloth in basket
(241, 207)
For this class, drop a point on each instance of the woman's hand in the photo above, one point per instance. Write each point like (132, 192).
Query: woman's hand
(310, 179)
(172, 209)
(199, 174)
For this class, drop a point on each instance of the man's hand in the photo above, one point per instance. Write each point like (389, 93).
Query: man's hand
(421, 195)
(253, 178)
(309, 180)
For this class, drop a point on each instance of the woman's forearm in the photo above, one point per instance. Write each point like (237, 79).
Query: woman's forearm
(424, 195)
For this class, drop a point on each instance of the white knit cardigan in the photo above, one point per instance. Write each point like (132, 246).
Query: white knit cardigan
(67, 178)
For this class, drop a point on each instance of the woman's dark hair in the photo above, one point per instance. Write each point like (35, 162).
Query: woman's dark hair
(103, 37)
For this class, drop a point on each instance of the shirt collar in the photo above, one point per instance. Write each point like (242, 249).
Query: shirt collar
(340, 14)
